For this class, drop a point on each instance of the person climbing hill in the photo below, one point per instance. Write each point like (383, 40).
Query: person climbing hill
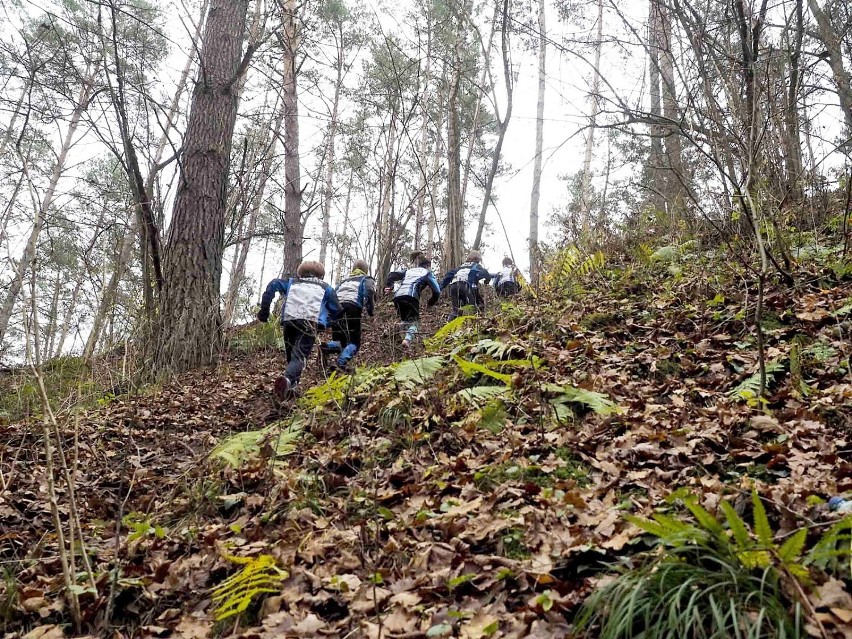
(406, 299)
(356, 294)
(462, 284)
(509, 280)
(310, 306)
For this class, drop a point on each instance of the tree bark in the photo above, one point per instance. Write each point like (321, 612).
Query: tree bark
(675, 177)
(424, 140)
(292, 177)
(189, 327)
(655, 159)
(539, 143)
(454, 236)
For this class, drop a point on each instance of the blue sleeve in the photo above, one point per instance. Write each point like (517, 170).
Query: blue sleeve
(332, 303)
(447, 278)
(275, 286)
(436, 289)
(479, 274)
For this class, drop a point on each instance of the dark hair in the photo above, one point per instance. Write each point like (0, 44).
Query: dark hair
(474, 256)
(311, 269)
(423, 261)
(507, 261)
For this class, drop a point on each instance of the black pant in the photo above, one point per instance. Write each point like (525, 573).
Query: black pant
(463, 294)
(299, 339)
(408, 308)
(507, 289)
(347, 329)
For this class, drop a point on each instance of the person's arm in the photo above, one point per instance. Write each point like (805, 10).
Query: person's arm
(275, 286)
(436, 288)
(332, 304)
(370, 295)
(393, 278)
(480, 273)
(448, 278)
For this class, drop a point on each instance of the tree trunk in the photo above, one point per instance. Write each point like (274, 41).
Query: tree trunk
(385, 241)
(238, 270)
(107, 302)
(586, 179)
(292, 177)
(40, 210)
(502, 125)
(483, 76)
(454, 237)
(52, 318)
(655, 159)
(675, 177)
(539, 143)
(189, 327)
(831, 41)
(793, 155)
(436, 167)
(424, 141)
(328, 190)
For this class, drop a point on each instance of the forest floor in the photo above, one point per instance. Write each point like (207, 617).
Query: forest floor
(411, 502)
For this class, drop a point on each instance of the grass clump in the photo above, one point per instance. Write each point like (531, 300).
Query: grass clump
(710, 578)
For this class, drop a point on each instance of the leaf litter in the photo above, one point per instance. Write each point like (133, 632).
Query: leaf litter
(404, 509)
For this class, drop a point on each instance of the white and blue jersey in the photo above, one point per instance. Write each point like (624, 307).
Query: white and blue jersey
(308, 299)
(470, 273)
(413, 281)
(357, 291)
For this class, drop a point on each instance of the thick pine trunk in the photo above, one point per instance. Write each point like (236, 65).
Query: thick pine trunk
(328, 189)
(292, 176)
(189, 326)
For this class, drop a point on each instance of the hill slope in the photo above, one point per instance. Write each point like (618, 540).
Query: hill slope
(477, 490)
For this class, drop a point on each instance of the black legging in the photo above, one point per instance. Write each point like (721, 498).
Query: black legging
(299, 339)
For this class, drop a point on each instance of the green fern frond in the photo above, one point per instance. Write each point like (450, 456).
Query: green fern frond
(750, 386)
(493, 416)
(737, 525)
(597, 402)
(792, 549)
(482, 393)
(259, 575)
(472, 368)
(451, 327)
(333, 391)
(820, 352)
(418, 371)
(762, 528)
(239, 449)
(702, 516)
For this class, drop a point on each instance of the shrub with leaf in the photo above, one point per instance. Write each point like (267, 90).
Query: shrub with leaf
(710, 578)
(237, 450)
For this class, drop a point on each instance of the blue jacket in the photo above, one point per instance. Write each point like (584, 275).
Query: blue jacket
(359, 291)
(470, 273)
(414, 280)
(309, 299)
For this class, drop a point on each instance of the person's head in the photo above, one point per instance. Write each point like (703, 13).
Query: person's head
(423, 261)
(415, 257)
(361, 265)
(309, 268)
(474, 256)
(507, 261)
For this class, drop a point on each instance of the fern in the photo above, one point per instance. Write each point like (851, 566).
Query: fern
(239, 449)
(472, 368)
(494, 348)
(750, 386)
(482, 393)
(412, 372)
(451, 327)
(333, 391)
(820, 352)
(493, 416)
(259, 575)
(570, 264)
(597, 402)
